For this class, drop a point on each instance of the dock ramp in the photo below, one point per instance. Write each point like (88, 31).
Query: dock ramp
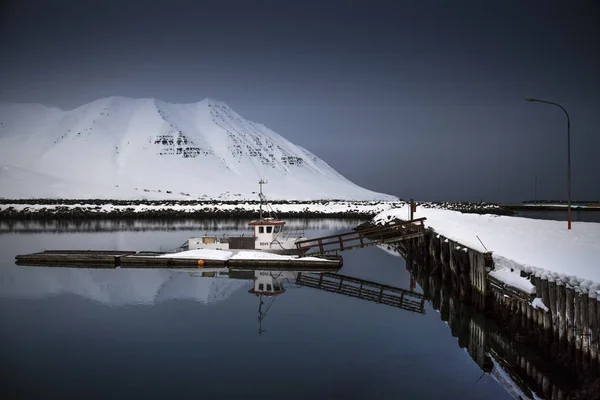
(361, 238)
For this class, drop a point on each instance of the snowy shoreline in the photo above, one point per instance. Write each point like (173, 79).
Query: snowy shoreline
(123, 209)
(532, 246)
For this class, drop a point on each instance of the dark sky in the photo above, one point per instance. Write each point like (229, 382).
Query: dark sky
(420, 99)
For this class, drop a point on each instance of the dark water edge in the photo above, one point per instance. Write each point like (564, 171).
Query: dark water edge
(560, 215)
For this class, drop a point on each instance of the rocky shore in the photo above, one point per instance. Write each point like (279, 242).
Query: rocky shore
(177, 209)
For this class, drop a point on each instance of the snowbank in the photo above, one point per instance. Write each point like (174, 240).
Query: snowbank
(189, 207)
(534, 246)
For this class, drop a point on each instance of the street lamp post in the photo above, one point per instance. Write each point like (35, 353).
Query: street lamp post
(568, 153)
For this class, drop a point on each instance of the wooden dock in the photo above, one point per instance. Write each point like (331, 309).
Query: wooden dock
(150, 259)
(362, 238)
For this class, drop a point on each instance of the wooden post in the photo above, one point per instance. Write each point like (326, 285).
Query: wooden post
(584, 325)
(539, 311)
(593, 327)
(546, 300)
(545, 386)
(562, 314)
(569, 305)
(554, 321)
(597, 329)
(530, 316)
(577, 320)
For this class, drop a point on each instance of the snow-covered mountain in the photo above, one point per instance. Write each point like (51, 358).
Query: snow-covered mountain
(123, 148)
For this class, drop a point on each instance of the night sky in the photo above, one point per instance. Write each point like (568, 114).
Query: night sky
(421, 99)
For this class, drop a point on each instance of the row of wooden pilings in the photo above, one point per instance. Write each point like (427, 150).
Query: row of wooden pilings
(568, 325)
(566, 332)
(490, 346)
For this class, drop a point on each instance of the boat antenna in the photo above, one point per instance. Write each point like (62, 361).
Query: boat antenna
(263, 199)
(261, 196)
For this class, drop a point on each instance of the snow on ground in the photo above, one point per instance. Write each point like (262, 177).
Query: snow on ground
(531, 245)
(203, 254)
(325, 207)
(222, 255)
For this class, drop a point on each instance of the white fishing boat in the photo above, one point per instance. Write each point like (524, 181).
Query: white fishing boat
(269, 235)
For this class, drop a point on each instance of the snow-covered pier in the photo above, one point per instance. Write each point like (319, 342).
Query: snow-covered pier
(545, 277)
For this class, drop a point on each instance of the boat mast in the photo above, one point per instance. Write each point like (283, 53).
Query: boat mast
(261, 196)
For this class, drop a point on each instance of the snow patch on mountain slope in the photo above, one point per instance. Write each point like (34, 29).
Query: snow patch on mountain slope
(123, 146)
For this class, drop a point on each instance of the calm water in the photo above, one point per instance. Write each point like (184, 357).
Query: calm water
(80, 333)
(581, 216)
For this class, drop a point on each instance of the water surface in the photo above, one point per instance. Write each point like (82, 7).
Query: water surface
(88, 333)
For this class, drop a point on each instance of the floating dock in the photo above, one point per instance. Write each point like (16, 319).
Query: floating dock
(151, 259)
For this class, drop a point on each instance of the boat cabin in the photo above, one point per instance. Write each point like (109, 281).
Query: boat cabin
(266, 230)
(266, 284)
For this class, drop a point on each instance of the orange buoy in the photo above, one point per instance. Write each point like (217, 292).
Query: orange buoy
(200, 263)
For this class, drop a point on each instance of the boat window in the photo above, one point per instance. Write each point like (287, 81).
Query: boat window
(276, 229)
(269, 229)
(276, 286)
(261, 229)
(269, 287)
(261, 286)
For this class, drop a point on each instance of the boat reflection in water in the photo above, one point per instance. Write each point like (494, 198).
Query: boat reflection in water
(269, 284)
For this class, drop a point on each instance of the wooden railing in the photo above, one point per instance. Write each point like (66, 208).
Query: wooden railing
(362, 238)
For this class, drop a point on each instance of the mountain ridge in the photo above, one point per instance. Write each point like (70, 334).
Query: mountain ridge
(120, 147)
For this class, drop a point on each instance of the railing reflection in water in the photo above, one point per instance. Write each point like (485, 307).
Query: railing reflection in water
(524, 371)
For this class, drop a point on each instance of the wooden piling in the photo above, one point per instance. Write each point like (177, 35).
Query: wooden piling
(562, 313)
(594, 311)
(577, 321)
(530, 316)
(546, 300)
(546, 386)
(554, 324)
(584, 326)
(570, 313)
